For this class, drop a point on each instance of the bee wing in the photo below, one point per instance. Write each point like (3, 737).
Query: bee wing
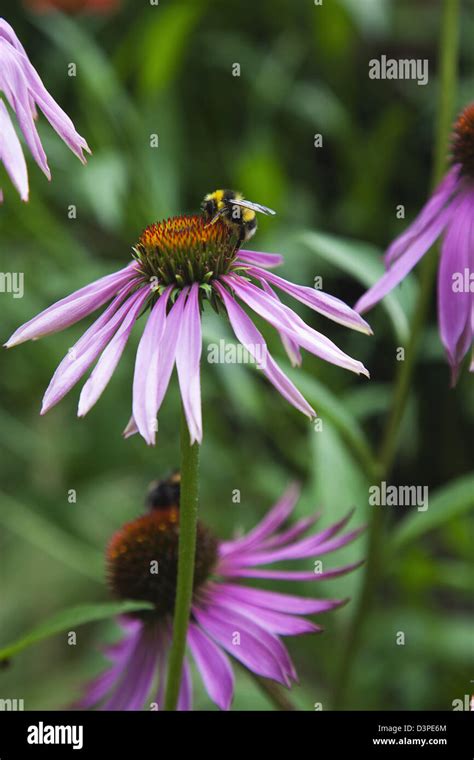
(253, 206)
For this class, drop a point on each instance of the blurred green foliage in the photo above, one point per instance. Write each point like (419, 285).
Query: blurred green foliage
(167, 70)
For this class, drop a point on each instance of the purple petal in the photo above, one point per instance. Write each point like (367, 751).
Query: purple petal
(22, 80)
(85, 351)
(188, 358)
(146, 369)
(258, 650)
(214, 667)
(107, 363)
(138, 673)
(251, 338)
(291, 347)
(426, 217)
(405, 263)
(292, 575)
(274, 600)
(130, 428)
(166, 354)
(270, 523)
(284, 319)
(300, 527)
(323, 303)
(308, 547)
(74, 307)
(185, 697)
(454, 308)
(268, 260)
(273, 621)
(11, 154)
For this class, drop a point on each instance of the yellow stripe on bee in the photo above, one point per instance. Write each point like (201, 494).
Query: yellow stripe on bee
(248, 215)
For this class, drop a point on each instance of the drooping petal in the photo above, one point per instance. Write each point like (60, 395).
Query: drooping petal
(166, 356)
(267, 260)
(130, 428)
(82, 355)
(110, 357)
(278, 623)
(257, 649)
(37, 92)
(454, 299)
(405, 263)
(11, 154)
(14, 86)
(291, 347)
(185, 697)
(145, 377)
(291, 575)
(214, 667)
(330, 306)
(284, 319)
(253, 341)
(274, 600)
(74, 307)
(438, 200)
(137, 676)
(188, 358)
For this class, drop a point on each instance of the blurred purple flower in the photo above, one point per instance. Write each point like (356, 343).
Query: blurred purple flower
(228, 617)
(449, 212)
(179, 263)
(24, 90)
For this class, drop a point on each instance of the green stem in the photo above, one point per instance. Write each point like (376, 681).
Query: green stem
(448, 53)
(188, 511)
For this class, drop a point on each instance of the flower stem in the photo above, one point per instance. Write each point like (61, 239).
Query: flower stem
(188, 511)
(448, 56)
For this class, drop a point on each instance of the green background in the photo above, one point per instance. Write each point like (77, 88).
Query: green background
(167, 70)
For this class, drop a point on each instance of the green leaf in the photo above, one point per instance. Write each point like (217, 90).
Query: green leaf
(70, 619)
(447, 503)
(364, 262)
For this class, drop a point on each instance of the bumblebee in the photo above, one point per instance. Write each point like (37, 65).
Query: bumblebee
(238, 213)
(164, 494)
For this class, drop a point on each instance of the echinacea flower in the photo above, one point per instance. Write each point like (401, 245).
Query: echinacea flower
(449, 212)
(227, 617)
(179, 264)
(24, 92)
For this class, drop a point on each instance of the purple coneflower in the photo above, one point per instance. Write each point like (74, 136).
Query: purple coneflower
(24, 91)
(227, 617)
(179, 264)
(449, 212)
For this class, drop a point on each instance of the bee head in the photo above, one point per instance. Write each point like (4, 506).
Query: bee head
(209, 207)
(163, 494)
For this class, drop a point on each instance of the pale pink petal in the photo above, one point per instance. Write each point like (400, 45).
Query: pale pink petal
(74, 307)
(188, 358)
(146, 368)
(109, 359)
(253, 340)
(11, 154)
(267, 260)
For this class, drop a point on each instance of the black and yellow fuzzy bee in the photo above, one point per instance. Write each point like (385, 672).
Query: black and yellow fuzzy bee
(238, 213)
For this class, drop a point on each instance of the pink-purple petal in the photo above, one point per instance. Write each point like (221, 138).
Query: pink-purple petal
(330, 306)
(11, 154)
(253, 341)
(455, 306)
(214, 667)
(188, 358)
(110, 357)
(145, 377)
(74, 307)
